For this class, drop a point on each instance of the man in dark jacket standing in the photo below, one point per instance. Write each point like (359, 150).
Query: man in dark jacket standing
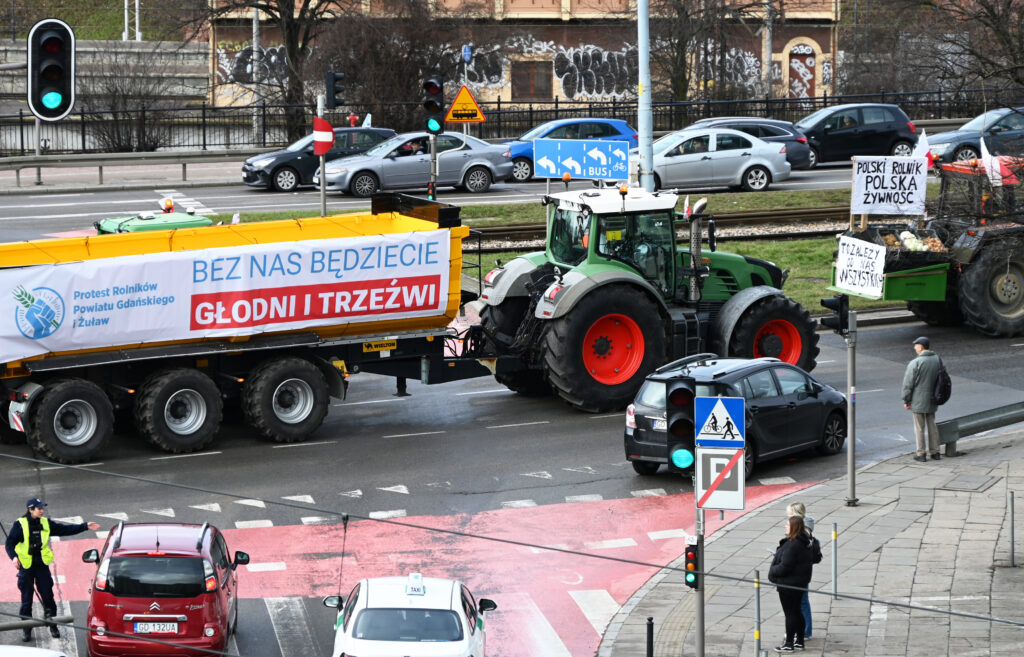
(918, 388)
(28, 547)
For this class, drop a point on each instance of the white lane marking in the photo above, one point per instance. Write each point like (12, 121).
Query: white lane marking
(372, 401)
(319, 442)
(103, 534)
(593, 497)
(352, 493)
(291, 626)
(117, 515)
(253, 524)
(861, 392)
(305, 499)
(212, 506)
(259, 504)
(601, 417)
(482, 392)
(71, 520)
(411, 435)
(518, 504)
(440, 484)
(664, 534)
(649, 492)
(167, 513)
(597, 606)
(586, 469)
(521, 424)
(534, 634)
(1019, 344)
(232, 647)
(316, 520)
(397, 488)
(541, 550)
(610, 544)
(772, 481)
(825, 361)
(384, 515)
(540, 474)
(266, 567)
(63, 467)
(182, 456)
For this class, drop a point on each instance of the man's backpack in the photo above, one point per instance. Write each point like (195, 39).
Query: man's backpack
(943, 386)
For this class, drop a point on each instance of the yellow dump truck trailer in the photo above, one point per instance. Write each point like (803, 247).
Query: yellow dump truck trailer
(170, 324)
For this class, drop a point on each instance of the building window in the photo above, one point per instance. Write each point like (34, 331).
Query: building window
(531, 81)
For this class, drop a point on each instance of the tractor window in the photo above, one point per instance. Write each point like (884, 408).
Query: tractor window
(644, 241)
(568, 236)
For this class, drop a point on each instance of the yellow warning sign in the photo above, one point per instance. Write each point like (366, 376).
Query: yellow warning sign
(464, 109)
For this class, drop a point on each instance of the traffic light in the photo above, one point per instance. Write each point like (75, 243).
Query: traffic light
(335, 89)
(840, 319)
(433, 103)
(51, 69)
(692, 567)
(680, 392)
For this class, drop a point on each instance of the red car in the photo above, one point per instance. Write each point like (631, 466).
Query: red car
(171, 582)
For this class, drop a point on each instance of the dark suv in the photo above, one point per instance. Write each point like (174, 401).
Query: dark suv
(787, 409)
(843, 131)
(172, 582)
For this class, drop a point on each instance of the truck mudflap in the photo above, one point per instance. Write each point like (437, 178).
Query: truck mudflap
(730, 313)
(18, 410)
(509, 280)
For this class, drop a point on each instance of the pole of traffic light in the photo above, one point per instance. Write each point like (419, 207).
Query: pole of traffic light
(433, 164)
(699, 617)
(851, 414)
(320, 102)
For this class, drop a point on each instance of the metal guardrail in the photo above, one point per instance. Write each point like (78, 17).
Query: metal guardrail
(967, 425)
(100, 160)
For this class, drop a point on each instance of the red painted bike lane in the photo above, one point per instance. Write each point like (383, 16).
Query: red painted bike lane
(539, 592)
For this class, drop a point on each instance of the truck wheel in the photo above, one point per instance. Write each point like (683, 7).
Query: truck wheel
(938, 313)
(179, 410)
(285, 399)
(597, 355)
(992, 290)
(72, 421)
(778, 327)
(834, 435)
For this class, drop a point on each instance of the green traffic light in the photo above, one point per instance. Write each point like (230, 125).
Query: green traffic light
(690, 577)
(682, 458)
(433, 125)
(52, 100)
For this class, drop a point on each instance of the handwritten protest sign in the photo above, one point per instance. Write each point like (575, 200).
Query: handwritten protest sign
(859, 266)
(889, 185)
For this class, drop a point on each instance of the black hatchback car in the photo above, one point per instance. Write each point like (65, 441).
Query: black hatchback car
(843, 131)
(798, 152)
(287, 169)
(787, 409)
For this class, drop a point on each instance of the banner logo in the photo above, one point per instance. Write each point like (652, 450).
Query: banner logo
(39, 312)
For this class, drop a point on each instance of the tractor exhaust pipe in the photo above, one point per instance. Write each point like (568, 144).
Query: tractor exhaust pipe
(696, 257)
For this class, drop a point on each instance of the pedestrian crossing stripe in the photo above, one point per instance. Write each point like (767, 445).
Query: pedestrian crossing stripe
(720, 421)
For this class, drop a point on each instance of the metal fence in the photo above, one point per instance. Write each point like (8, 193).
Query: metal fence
(267, 126)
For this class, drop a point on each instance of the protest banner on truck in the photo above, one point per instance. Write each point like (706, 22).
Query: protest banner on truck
(859, 267)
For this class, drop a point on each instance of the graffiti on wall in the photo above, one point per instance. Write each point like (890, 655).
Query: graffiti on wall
(237, 67)
(593, 71)
(801, 71)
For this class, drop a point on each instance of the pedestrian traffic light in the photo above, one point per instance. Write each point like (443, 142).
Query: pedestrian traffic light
(840, 319)
(680, 425)
(51, 69)
(335, 89)
(433, 103)
(692, 567)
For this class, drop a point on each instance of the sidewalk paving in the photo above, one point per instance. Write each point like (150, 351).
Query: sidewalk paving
(933, 534)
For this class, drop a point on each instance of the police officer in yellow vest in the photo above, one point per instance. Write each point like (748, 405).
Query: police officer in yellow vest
(28, 547)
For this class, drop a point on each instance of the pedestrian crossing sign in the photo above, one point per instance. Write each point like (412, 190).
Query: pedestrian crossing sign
(720, 422)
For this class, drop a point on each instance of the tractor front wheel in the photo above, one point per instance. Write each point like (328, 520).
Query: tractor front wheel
(776, 327)
(597, 355)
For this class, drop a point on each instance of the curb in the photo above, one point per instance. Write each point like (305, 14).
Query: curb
(44, 189)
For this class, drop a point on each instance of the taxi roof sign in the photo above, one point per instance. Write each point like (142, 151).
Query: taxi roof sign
(464, 109)
(415, 585)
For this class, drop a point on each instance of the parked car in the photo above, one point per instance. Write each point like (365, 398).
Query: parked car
(787, 410)
(843, 131)
(716, 157)
(404, 161)
(798, 151)
(412, 615)
(521, 148)
(287, 169)
(1002, 128)
(166, 581)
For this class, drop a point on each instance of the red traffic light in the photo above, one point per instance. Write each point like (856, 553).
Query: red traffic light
(52, 43)
(681, 397)
(432, 86)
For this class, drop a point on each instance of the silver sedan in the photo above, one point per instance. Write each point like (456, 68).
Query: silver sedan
(404, 161)
(715, 157)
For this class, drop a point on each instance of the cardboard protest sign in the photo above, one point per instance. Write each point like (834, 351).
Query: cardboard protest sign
(889, 185)
(859, 267)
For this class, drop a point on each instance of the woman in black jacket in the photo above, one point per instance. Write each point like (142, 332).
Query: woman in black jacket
(791, 567)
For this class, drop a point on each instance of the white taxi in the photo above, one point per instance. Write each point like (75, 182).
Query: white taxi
(415, 616)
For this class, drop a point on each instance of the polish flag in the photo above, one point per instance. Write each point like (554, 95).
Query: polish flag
(323, 136)
(922, 150)
(998, 173)
(686, 206)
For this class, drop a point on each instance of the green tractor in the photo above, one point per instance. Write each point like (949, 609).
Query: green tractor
(614, 295)
(166, 219)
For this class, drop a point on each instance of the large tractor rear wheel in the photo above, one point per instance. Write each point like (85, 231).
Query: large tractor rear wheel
(500, 324)
(992, 290)
(597, 355)
(777, 327)
(938, 313)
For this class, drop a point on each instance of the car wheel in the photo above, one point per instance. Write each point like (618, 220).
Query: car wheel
(834, 435)
(522, 170)
(902, 149)
(749, 459)
(477, 180)
(657, 182)
(364, 185)
(285, 179)
(813, 161)
(646, 468)
(756, 179)
(965, 153)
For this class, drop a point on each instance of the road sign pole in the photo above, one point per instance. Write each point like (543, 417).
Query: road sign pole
(433, 163)
(851, 412)
(699, 619)
(321, 101)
